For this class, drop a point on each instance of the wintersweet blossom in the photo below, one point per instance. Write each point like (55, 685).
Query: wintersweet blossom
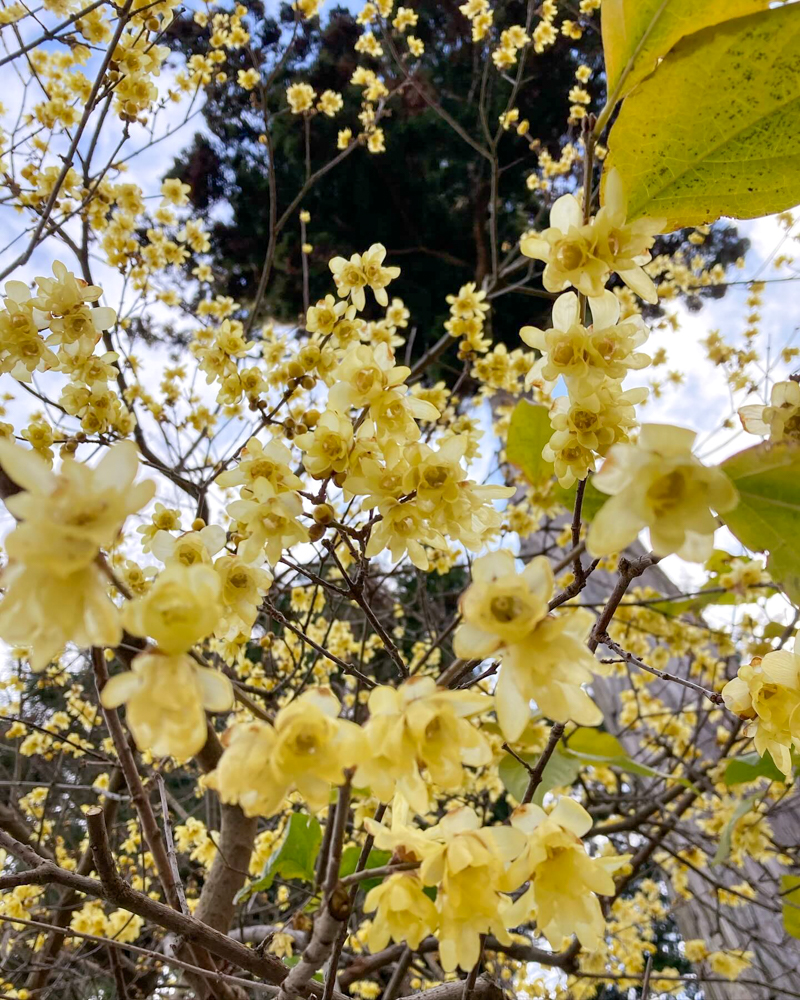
(166, 698)
(659, 484)
(543, 658)
(585, 357)
(55, 591)
(269, 523)
(583, 254)
(780, 420)
(766, 692)
(361, 270)
(549, 667)
(502, 606)
(466, 861)
(420, 725)
(405, 912)
(66, 517)
(181, 608)
(564, 881)
(309, 748)
(43, 610)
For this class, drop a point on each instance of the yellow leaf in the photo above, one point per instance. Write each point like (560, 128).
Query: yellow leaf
(714, 130)
(637, 33)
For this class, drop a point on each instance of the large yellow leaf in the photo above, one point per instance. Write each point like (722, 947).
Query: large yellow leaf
(714, 130)
(637, 33)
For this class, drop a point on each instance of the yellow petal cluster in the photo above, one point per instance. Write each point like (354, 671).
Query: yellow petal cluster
(766, 692)
(544, 658)
(166, 698)
(564, 881)
(308, 748)
(420, 725)
(55, 591)
(659, 484)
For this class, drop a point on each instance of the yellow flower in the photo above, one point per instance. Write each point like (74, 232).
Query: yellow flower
(767, 691)
(330, 103)
(583, 254)
(166, 698)
(67, 517)
(243, 587)
(659, 484)
(548, 666)
(467, 862)
(404, 914)
(569, 249)
(781, 419)
(309, 749)
(300, 97)
(421, 725)
(181, 608)
(327, 448)
(403, 528)
(270, 522)
(243, 774)
(585, 357)
(564, 879)
(363, 375)
(361, 270)
(45, 611)
(501, 606)
(269, 462)
(625, 246)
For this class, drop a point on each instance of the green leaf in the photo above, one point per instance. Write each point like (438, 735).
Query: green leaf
(375, 859)
(293, 858)
(790, 898)
(713, 131)
(559, 770)
(513, 774)
(724, 847)
(751, 766)
(593, 746)
(775, 630)
(682, 605)
(637, 33)
(593, 499)
(587, 739)
(528, 432)
(767, 517)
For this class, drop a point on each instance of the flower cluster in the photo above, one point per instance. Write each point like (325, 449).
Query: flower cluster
(474, 866)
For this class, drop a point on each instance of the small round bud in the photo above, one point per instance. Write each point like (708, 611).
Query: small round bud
(308, 381)
(315, 532)
(324, 514)
(311, 418)
(198, 524)
(295, 370)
